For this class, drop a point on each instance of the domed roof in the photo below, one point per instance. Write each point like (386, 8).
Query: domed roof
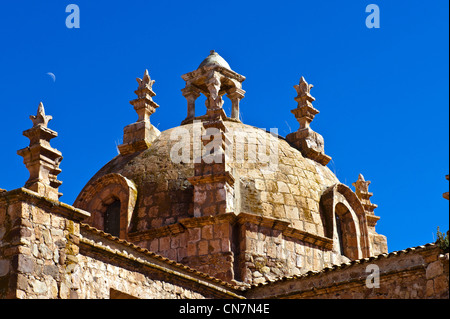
(214, 59)
(290, 190)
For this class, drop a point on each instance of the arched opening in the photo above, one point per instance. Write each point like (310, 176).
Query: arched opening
(200, 107)
(344, 221)
(111, 200)
(339, 234)
(111, 218)
(346, 231)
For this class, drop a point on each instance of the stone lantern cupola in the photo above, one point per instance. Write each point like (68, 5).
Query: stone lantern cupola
(213, 78)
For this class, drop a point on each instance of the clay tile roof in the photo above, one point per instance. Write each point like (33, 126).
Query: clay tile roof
(159, 257)
(347, 264)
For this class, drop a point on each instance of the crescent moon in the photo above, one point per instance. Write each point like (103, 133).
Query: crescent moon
(52, 76)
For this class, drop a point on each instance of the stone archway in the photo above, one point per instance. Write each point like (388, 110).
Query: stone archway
(345, 222)
(346, 233)
(99, 195)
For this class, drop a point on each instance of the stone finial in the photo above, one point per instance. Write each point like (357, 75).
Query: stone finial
(361, 185)
(40, 118)
(145, 84)
(362, 192)
(213, 78)
(303, 88)
(308, 142)
(42, 160)
(138, 136)
(446, 194)
(304, 112)
(144, 104)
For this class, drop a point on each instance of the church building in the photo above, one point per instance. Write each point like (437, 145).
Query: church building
(213, 208)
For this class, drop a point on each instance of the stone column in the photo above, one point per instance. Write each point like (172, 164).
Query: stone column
(235, 95)
(212, 180)
(42, 160)
(214, 203)
(191, 94)
(214, 97)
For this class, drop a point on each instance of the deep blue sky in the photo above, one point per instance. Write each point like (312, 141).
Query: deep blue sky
(382, 93)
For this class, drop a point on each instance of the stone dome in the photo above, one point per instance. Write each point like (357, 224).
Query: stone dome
(214, 59)
(227, 198)
(287, 190)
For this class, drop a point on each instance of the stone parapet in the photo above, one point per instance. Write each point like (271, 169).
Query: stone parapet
(133, 263)
(45, 252)
(39, 245)
(414, 273)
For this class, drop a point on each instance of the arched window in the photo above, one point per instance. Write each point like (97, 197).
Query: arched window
(112, 219)
(346, 232)
(111, 200)
(344, 221)
(339, 234)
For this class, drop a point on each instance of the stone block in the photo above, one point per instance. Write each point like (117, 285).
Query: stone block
(440, 285)
(192, 249)
(214, 246)
(4, 267)
(164, 243)
(25, 264)
(434, 269)
(282, 187)
(193, 234)
(221, 230)
(225, 244)
(203, 247)
(207, 232)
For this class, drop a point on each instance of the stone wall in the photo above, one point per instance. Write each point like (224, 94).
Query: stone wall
(244, 248)
(107, 268)
(38, 250)
(45, 252)
(270, 250)
(203, 243)
(414, 273)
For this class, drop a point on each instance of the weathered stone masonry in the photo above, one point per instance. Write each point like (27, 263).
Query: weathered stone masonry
(47, 253)
(245, 213)
(414, 273)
